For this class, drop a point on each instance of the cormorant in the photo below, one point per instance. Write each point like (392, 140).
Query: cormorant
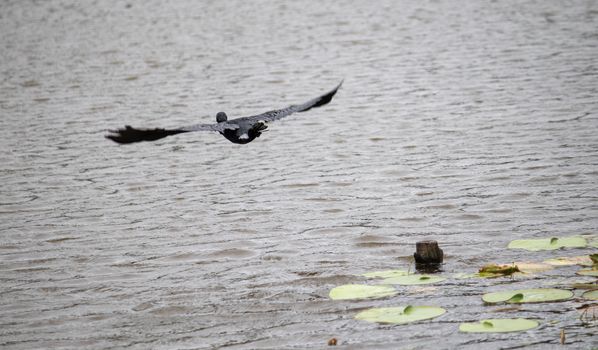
(240, 130)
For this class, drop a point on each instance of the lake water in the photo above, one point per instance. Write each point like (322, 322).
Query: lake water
(471, 123)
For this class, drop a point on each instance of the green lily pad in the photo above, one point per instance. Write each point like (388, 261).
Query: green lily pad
(488, 275)
(464, 275)
(527, 296)
(498, 325)
(519, 269)
(400, 314)
(385, 274)
(533, 267)
(591, 295)
(479, 275)
(583, 260)
(413, 280)
(581, 285)
(588, 272)
(495, 269)
(361, 291)
(549, 243)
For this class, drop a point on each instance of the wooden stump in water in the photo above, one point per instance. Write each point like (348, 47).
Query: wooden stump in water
(428, 253)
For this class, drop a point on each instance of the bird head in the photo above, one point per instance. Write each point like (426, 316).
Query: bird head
(221, 117)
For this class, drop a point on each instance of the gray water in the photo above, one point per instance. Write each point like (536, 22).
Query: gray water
(472, 123)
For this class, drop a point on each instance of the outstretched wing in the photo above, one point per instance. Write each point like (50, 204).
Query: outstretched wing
(130, 135)
(219, 127)
(281, 113)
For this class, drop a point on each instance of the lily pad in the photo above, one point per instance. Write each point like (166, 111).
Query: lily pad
(413, 280)
(582, 285)
(400, 314)
(591, 295)
(465, 275)
(549, 243)
(520, 269)
(488, 275)
(385, 274)
(498, 325)
(532, 267)
(583, 260)
(588, 272)
(501, 270)
(361, 291)
(527, 296)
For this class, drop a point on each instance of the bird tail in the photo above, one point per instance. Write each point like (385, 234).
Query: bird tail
(131, 135)
(259, 126)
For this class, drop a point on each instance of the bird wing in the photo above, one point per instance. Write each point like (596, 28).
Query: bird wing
(281, 113)
(129, 134)
(219, 127)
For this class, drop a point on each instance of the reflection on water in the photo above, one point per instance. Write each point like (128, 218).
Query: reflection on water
(472, 125)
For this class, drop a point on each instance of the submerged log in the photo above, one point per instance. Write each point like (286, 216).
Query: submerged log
(428, 252)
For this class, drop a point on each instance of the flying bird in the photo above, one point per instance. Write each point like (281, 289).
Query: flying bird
(240, 130)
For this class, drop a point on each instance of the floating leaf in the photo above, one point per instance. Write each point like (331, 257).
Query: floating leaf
(494, 269)
(413, 280)
(465, 275)
(498, 325)
(588, 272)
(514, 269)
(385, 274)
(531, 267)
(488, 275)
(592, 295)
(570, 260)
(527, 296)
(549, 243)
(517, 298)
(400, 314)
(580, 285)
(361, 291)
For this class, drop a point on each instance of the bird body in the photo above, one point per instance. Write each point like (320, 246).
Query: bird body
(239, 130)
(248, 130)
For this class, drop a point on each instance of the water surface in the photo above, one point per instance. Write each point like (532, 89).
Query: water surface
(472, 124)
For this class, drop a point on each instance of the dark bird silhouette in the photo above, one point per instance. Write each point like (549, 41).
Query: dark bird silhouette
(240, 130)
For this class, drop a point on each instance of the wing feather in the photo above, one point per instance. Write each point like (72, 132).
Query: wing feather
(219, 127)
(284, 112)
(129, 134)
